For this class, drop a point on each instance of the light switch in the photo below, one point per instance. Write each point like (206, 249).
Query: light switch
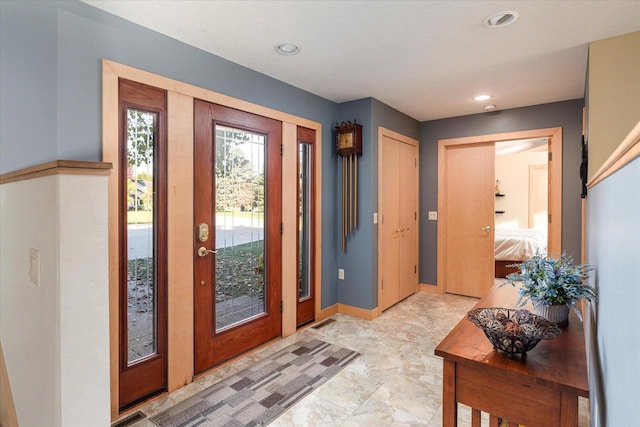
(375, 217)
(34, 266)
(433, 215)
(341, 273)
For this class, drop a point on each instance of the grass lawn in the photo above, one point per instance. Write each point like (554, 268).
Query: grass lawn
(239, 270)
(236, 267)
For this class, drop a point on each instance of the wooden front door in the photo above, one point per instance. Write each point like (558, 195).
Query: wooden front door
(237, 236)
(398, 229)
(469, 234)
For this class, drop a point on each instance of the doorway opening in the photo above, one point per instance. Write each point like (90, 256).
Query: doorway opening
(453, 254)
(521, 202)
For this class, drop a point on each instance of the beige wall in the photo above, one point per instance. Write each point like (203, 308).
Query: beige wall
(614, 95)
(55, 334)
(513, 172)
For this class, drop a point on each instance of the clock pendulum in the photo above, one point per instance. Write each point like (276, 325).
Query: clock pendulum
(349, 147)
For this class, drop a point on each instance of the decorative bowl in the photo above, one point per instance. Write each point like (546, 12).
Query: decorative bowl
(513, 331)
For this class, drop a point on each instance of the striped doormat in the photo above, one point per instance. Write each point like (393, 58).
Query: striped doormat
(257, 395)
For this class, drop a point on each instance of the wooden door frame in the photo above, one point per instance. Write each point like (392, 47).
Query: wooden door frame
(554, 242)
(180, 225)
(382, 132)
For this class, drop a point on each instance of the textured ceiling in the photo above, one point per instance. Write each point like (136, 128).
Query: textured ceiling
(425, 58)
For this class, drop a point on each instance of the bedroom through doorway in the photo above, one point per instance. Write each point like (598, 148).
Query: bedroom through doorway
(521, 202)
(467, 213)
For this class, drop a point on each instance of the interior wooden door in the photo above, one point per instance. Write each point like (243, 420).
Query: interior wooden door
(388, 231)
(469, 234)
(237, 241)
(408, 213)
(397, 232)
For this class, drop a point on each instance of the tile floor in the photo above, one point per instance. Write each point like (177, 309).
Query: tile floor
(396, 382)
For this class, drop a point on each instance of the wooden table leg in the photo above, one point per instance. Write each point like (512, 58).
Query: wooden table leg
(568, 410)
(449, 404)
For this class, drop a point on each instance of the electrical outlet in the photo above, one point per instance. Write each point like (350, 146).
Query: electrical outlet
(341, 273)
(433, 215)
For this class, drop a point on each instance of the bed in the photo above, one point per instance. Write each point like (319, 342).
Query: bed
(513, 246)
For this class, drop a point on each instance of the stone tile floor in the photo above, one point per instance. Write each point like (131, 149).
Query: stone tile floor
(396, 382)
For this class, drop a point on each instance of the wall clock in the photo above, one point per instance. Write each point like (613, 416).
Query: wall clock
(349, 146)
(348, 139)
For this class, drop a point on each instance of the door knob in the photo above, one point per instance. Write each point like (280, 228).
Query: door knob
(486, 228)
(203, 252)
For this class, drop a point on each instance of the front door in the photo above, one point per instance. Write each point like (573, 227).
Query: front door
(469, 193)
(237, 236)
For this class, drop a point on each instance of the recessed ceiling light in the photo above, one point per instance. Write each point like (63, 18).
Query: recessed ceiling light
(287, 49)
(482, 97)
(489, 107)
(501, 19)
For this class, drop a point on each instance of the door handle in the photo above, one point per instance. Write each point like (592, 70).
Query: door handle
(486, 228)
(203, 252)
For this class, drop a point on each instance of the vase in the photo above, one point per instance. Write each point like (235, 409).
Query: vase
(554, 313)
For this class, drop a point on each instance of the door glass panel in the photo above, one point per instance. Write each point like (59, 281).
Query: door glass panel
(141, 225)
(304, 221)
(240, 218)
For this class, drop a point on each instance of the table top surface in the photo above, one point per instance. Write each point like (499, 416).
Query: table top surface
(559, 362)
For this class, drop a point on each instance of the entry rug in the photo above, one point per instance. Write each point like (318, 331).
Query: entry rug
(257, 395)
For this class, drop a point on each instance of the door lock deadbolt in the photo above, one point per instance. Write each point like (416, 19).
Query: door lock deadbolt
(203, 232)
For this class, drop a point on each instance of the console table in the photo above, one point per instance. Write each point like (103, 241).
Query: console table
(538, 389)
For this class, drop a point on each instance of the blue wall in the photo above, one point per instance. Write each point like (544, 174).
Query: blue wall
(613, 247)
(50, 80)
(358, 287)
(360, 262)
(28, 85)
(51, 76)
(567, 114)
